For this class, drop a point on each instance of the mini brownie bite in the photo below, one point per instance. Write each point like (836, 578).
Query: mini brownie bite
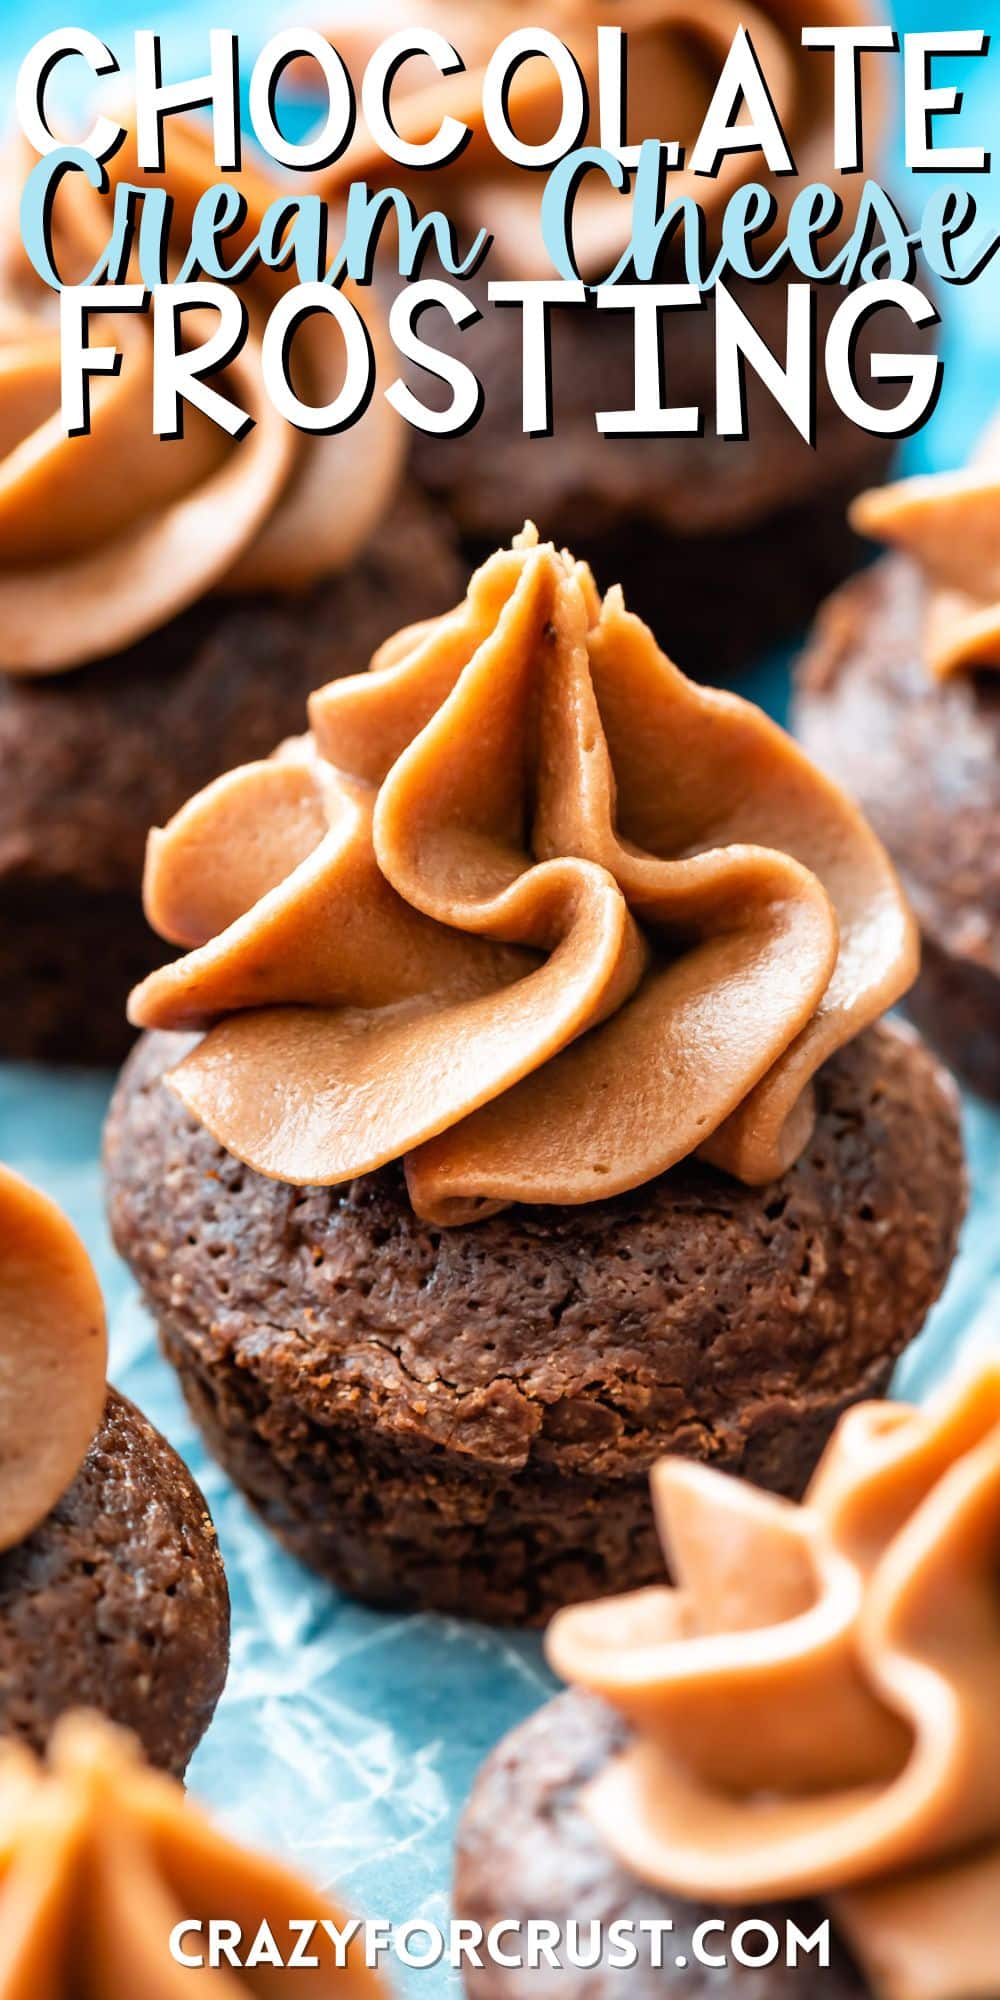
(517, 1110)
(722, 545)
(112, 1590)
(107, 1864)
(899, 698)
(803, 1728)
(166, 606)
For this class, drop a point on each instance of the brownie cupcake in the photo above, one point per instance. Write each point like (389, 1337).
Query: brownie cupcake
(108, 1865)
(165, 607)
(112, 1590)
(801, 1734)
(899, 698)
(722, 545)
(517, 1111)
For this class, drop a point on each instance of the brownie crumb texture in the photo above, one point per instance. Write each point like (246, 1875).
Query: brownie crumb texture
(90, 760)
(118, 1601)
(466, 1419)
(922, 757)
(526, 1849)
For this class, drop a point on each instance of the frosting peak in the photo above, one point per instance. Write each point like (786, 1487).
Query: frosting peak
(53, 1357)
(528, 908)
(105, 537)
(815, 1702)
(100, 1858)
(949, 522)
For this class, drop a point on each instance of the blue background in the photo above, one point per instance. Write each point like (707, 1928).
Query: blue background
(346, 1738)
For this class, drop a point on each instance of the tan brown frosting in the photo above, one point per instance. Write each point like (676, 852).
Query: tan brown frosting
(949, 522)
(100, 1858)
(815, 1702)
(528, 908)
(676, 51)
(53, 1356)
(103, 538)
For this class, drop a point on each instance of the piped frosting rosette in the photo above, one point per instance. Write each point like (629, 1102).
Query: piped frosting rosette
(53, 1357)
(815, 1703)
(676, 53)
(100, 1858)
(105, 537)
(527, 908)
(949, 523)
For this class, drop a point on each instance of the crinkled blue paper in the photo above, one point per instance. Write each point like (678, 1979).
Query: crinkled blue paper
(348, 1739)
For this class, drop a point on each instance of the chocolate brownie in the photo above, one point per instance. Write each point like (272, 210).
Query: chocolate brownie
(923, 759)
(526, 1849)
(90, 759)
(466, 1418)
(118, 1601)
(723, 546)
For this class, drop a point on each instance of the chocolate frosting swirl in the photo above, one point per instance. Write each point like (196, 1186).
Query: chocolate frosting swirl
(527, 907)
(53, 1356)
(104, 538)
(100, 1858)
(676, 52)
(949, 522)
(814, 1703)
